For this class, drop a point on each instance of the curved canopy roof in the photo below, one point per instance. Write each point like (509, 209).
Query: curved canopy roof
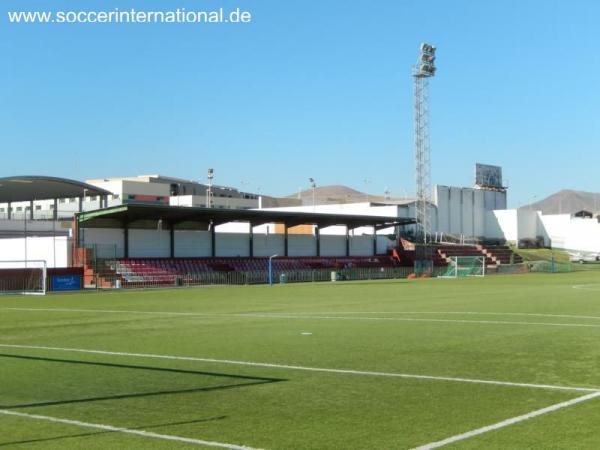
(32, 187)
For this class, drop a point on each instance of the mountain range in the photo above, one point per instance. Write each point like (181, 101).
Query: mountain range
(567, 201)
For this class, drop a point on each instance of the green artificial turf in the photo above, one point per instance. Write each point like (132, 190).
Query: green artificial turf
(440, 328)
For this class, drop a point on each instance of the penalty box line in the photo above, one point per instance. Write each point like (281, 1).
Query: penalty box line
(305, 368)
(113, 429)
(507, 422)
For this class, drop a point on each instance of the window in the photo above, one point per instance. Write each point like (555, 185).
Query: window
(38, 207)
(115, 197)
(62, 200)
(19, 208)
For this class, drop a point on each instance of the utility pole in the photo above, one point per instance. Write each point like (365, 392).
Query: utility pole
(313, 185)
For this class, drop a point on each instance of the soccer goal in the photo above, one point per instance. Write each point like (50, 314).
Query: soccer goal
(465, 266)
(23, 277)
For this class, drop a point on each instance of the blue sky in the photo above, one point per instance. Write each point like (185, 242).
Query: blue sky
(316, 89)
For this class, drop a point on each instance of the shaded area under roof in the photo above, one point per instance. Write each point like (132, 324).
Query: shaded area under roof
(177, 214)
(32, 187)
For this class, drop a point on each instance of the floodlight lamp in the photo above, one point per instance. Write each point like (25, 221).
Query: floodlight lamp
(427, 48)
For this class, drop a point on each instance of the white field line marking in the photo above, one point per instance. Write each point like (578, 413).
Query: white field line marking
(110, 428)
(587, 287)
(508, 422)
(310, 317)
(306, 369)
(465, 313)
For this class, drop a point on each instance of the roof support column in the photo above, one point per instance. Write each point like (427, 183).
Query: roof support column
(126, 240)
(80, 204)
(347, 240)
(374, 240)
(213, 239)
(285, 240)
(251, 240)
(172, 239)
(30, 209)
(55, 210)
(318, 239)
(9, 211)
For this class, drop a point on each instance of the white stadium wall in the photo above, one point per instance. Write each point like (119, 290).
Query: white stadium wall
(513, 225)
(584, 235)
(192, 243)
(149, 243)
(332, 245)
(361, 246)
(463, 210)
(302, 245)
(268, 244)
(572, 233)
(109, 239)
(232, 244)
(557, 228)
(56, 251)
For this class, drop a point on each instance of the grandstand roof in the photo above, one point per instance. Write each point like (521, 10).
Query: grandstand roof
(34, 187)
(134, 211)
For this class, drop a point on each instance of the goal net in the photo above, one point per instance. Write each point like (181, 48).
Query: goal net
(465, 266)
(23, 277)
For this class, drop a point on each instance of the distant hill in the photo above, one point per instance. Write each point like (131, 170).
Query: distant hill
(567, 201)
(325, 195)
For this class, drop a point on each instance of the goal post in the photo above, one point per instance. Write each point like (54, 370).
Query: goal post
(23, 277)
(465, 266)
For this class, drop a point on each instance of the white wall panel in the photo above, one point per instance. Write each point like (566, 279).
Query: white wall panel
(442, 198)
(479, 213)
(302, 245)
(269, 244)
(55, 251)
(192, 243)
(232, 244)
(333, 245)
(455, 210)
(149, 243)
(361, 246)
(385, 245)
(108, 240)
(467, 212)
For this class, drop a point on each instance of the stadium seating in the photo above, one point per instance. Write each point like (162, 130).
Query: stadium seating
(494, 254)
(502, 254)
(167, 270)
(447, 251)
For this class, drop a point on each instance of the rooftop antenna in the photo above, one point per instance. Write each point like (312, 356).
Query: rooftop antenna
(422, 71)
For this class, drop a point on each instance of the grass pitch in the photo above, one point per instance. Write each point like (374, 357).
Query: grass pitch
(389, 364)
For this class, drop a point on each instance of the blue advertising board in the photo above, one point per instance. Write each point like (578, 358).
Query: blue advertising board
(66, 282)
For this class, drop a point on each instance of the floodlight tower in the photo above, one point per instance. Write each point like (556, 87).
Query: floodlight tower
(209, 191)
(422, 71)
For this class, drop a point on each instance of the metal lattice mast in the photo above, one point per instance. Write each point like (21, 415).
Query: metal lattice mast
(422, 71)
